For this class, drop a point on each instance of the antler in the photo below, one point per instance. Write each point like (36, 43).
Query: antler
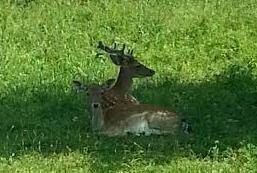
(130, 52)
(116, 55)
(111, 50)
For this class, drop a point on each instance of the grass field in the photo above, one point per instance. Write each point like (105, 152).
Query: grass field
(205, 57)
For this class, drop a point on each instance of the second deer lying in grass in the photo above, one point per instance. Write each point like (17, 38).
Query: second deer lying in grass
(131, 118)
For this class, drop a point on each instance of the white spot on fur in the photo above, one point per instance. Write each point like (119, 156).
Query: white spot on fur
(137, 124)
(161, 113)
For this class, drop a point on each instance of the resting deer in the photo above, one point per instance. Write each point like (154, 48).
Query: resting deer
(107, 105)
(132, 118)
(129, 68)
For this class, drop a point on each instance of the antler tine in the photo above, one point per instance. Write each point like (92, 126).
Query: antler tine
(130, 52)
(123, 48)
(119, 53)
(109, 49)
(100, 45)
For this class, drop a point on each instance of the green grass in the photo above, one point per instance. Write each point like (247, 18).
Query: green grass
(205, 58)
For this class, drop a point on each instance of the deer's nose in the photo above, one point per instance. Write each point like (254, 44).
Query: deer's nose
(152, 72)
(96, 105)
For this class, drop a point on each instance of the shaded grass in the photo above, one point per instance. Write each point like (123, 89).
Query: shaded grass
(204, 54)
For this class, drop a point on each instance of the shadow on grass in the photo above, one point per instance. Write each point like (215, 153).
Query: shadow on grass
(223, 112)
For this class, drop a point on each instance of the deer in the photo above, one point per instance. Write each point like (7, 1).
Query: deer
(129, 68)
(132, 118)
(115, 112)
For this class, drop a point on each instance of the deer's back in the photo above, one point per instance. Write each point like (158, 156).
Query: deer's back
(111, 99)
(143, 118)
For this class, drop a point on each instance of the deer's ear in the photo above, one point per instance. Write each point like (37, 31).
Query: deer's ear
(116, 59)
(79, 87)
(76, 83)
(125, 62)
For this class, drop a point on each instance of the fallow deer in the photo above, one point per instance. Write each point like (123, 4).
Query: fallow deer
(129, 68)
(132, 118)
(114, 113)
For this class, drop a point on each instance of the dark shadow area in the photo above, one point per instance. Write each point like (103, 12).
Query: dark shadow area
(223, 112)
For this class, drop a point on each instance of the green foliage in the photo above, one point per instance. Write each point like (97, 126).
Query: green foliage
(203, 52)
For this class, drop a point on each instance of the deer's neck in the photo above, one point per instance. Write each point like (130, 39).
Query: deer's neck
(124, 81)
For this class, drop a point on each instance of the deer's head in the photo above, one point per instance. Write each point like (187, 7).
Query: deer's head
(93, 92)
(127, 61)
(94, 101)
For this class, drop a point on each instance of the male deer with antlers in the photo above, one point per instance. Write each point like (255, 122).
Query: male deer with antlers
(129, 68)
